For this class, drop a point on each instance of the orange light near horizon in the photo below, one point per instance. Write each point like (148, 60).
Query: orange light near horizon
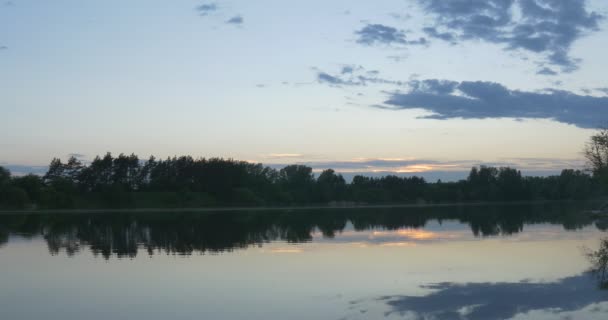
(398, 244)
(285, 155)
(424, 168)
(407, 233)
(415, 168)
(382, 159)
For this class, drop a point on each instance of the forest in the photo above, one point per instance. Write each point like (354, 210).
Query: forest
(126, 181)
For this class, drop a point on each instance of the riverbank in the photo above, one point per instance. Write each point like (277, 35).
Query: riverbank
(286, 208)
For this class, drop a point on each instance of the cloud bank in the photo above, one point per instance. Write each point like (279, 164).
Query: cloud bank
(481, 100)
(385, 166)
(547, 27)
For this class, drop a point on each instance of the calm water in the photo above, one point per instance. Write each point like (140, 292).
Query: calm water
(510, 262)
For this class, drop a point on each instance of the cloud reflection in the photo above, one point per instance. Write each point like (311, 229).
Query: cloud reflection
(489, 301)
(414, 234)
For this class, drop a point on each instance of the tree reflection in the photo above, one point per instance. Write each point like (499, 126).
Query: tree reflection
(125, 234)
(599, 263)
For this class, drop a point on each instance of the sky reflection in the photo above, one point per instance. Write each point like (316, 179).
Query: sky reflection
(476, 264)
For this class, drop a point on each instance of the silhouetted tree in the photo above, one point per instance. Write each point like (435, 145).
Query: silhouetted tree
(596, 153)
(11, 196)
(184, 181)
(5, 177)
(510, 184)
(599, 263)
(32, 185)
(483, 183)
(331, 186)
(298, 181)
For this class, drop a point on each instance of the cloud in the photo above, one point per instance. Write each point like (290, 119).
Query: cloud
(235, 20)
(432, 32)
(456, 169)
(547, 27)
(207, 8)
(335, 80)
(481, 100)
(377, 33)
(546, 72)
(396, 165)
(354, 76)
(3, 48)
(493, 301)
(373, 34)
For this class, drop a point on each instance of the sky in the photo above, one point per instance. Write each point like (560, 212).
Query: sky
(427, 87)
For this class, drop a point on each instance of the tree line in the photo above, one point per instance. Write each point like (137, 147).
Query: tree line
(126, 181)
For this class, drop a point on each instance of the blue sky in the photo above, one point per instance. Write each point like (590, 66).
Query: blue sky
(408, 86)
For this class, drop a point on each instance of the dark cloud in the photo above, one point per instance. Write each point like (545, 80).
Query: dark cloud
(546, 72)
(360, 80)
(373, 34)
(3, 47)
(493, 301)
(549, 27)
(432, 32)
(235, 20)
(377, 33)
(207, 8)
(354, 76)
(480, 100)
(335, 80)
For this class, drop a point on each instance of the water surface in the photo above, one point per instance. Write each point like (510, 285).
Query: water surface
(489, 262)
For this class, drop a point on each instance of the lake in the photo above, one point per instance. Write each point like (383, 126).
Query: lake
(466, 262)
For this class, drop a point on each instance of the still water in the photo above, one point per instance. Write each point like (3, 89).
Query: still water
(494, 262)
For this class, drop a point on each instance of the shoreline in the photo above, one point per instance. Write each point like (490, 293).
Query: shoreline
(279, 208)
